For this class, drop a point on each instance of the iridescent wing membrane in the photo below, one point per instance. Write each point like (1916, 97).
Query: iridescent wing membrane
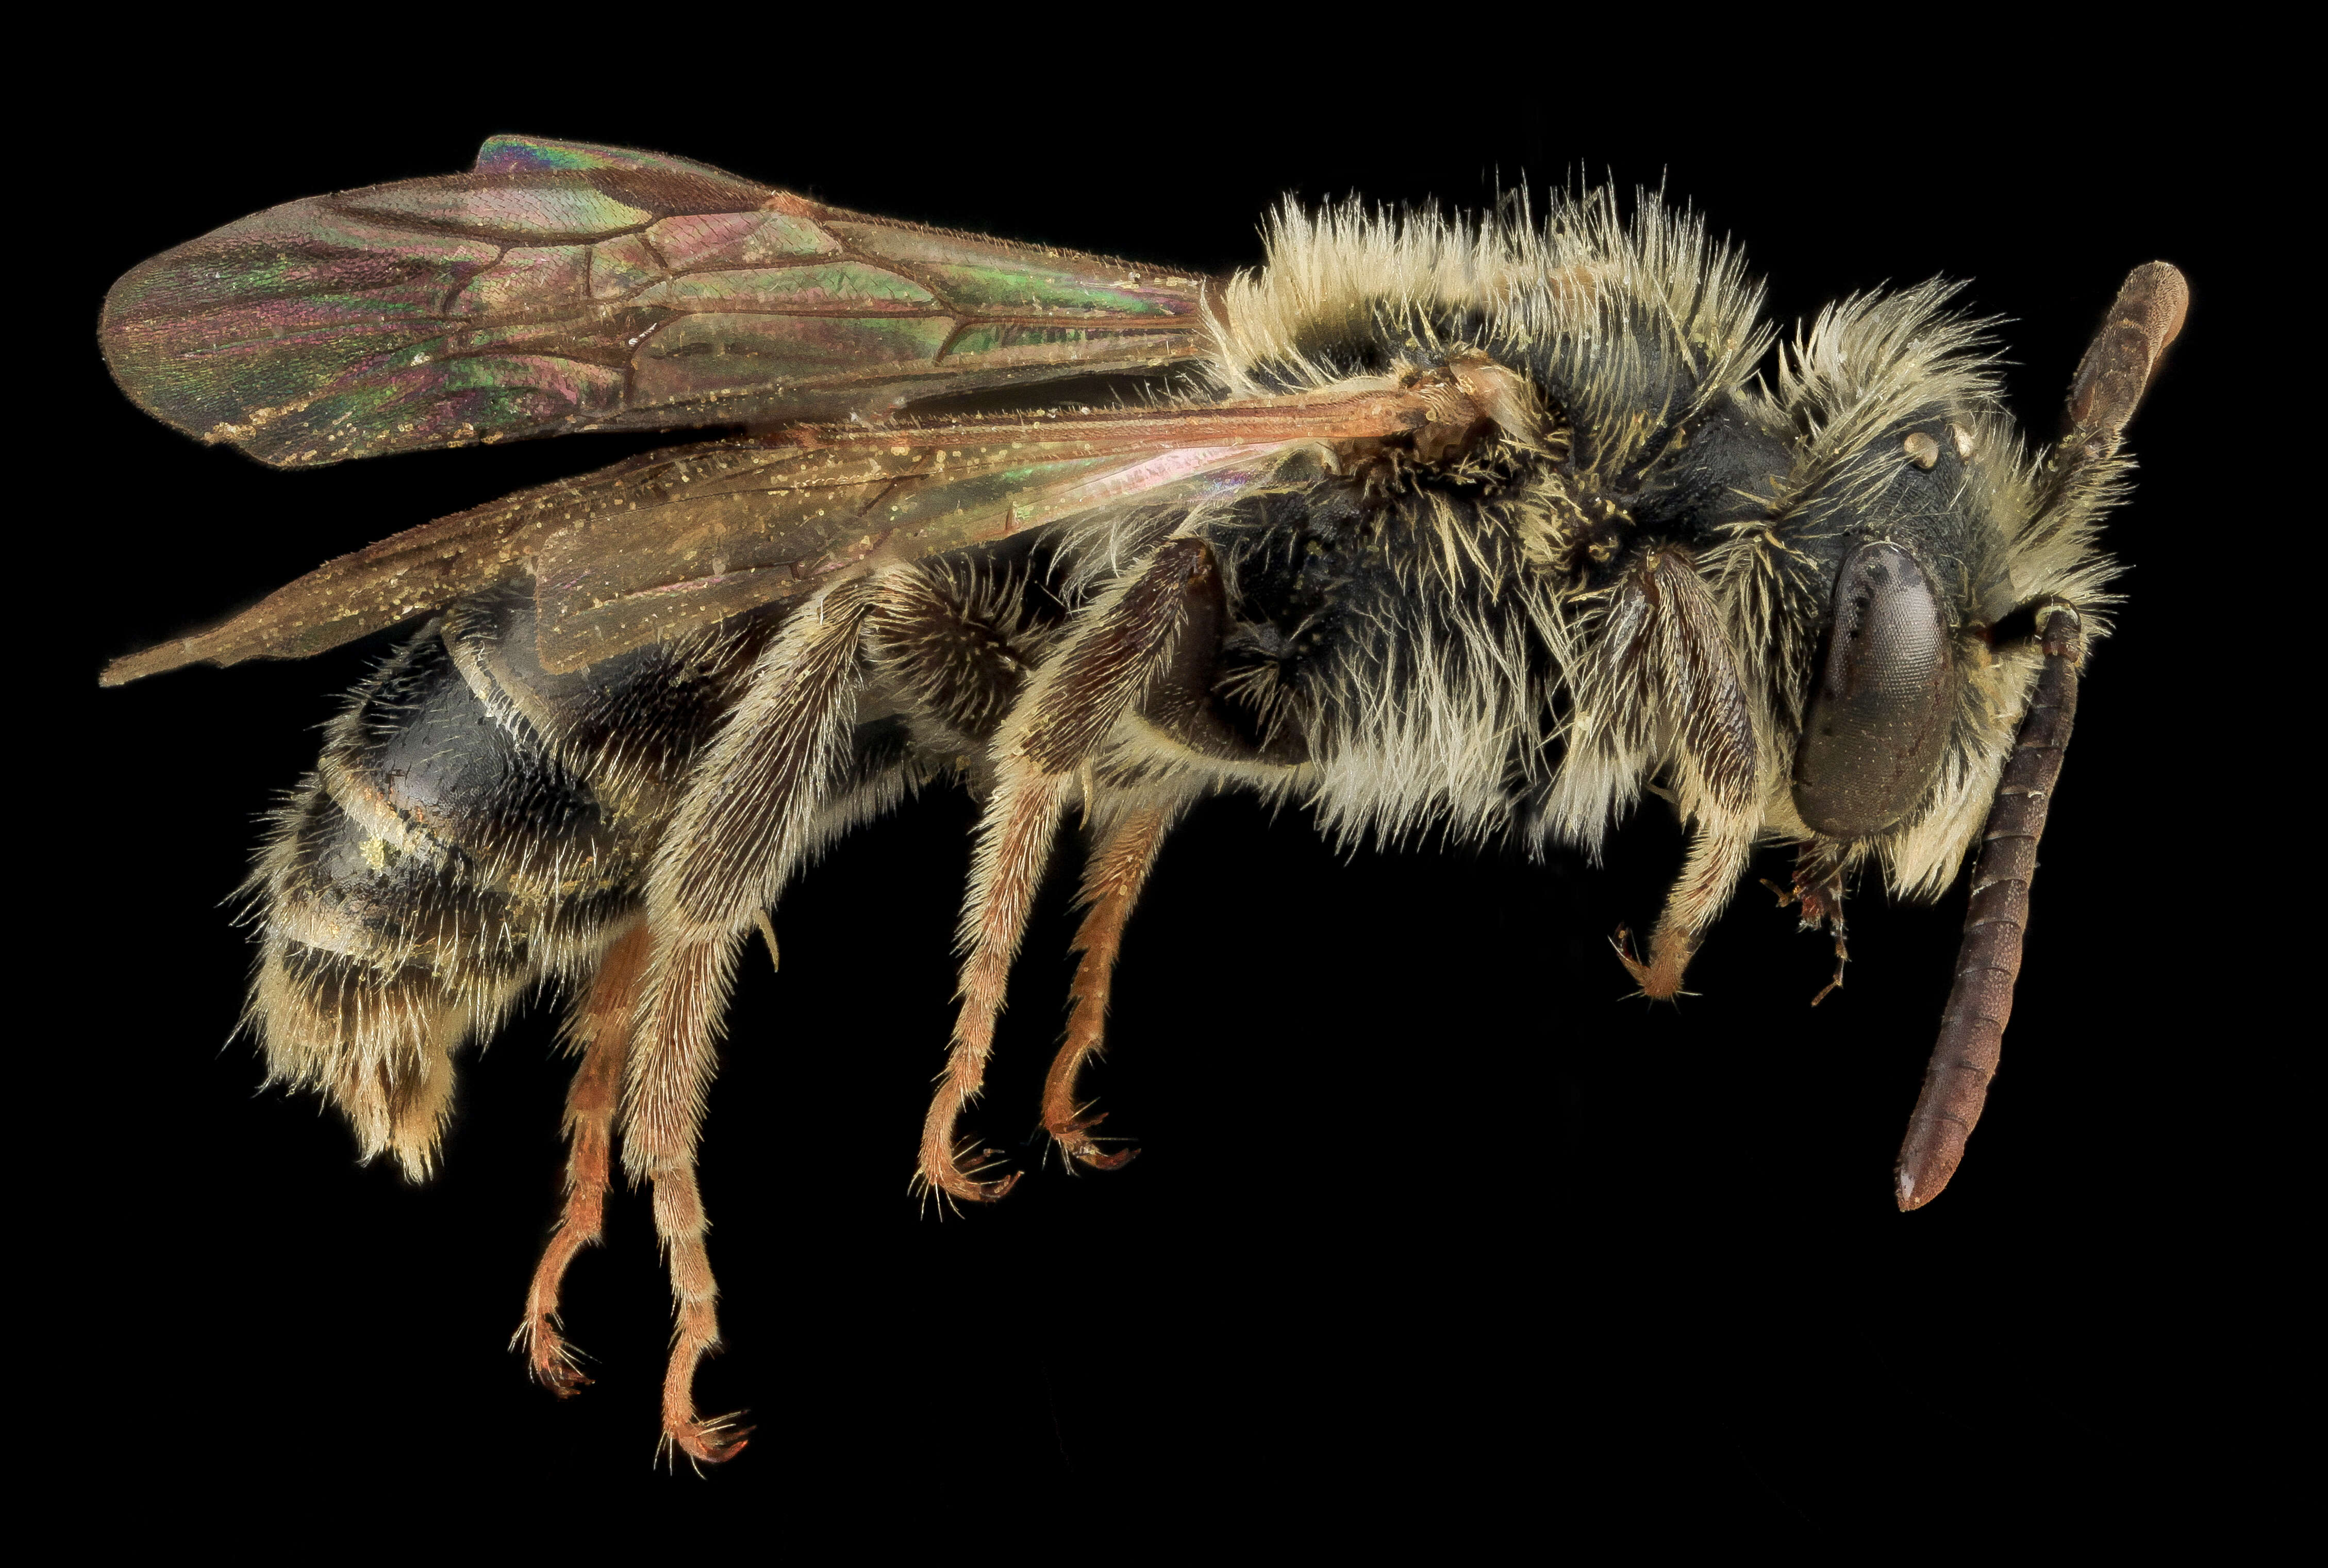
(559, 286)
(676, 540)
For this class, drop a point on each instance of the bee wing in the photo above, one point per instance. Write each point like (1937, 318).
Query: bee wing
(656, 545)
(562, 287)
(746, 536)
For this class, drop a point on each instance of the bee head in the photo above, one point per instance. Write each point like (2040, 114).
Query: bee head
(1900, 586)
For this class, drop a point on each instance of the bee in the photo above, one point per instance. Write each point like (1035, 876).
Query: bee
(1483, 526)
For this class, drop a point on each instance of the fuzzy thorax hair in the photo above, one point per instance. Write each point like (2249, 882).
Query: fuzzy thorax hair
(1644, 340)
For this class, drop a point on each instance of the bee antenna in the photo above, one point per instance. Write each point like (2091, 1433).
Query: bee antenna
(1988, 962)
(2120, 361)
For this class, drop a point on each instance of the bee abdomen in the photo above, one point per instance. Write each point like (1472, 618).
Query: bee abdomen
(474, 825)
(425, 761)
(630, 726)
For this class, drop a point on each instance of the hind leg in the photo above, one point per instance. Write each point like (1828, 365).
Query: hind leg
(746, 821)
(601, 1027)
(670, 1075)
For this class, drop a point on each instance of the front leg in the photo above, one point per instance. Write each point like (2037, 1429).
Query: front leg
(1694, 676)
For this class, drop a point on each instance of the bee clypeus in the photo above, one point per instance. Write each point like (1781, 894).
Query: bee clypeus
(1488, 526)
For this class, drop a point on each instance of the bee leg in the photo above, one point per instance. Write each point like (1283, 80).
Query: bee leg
(746, 820)
(1713, 748)
(1107, 662)
(679, 1220)
(1014, 846)
(601, 1026)
(1718, 853)
(1112, 877)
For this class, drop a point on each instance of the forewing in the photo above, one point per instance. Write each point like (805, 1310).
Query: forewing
(561, 286)
(659, 545)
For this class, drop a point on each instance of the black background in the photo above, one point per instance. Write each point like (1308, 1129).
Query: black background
(1432, 1227)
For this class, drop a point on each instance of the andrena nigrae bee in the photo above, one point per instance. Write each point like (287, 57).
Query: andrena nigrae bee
(1489, 525)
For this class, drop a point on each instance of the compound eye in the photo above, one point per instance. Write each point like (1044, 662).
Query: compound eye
(1878, 720)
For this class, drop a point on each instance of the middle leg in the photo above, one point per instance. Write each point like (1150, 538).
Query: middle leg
(1050, 742)
(1112, 877)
